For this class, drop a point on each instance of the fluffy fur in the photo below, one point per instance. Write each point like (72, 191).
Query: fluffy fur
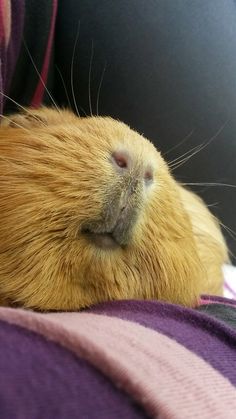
(56, 178)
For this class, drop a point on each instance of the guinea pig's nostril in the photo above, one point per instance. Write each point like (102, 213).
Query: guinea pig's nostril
(121, 159)
(148, 175)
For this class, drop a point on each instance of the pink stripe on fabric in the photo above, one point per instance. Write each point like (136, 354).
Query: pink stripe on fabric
(7, 20)
(2, 35)
(39, 92)
(167, 379)
(206, 302)
(203, 302)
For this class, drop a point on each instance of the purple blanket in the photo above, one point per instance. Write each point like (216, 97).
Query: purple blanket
(117, 360)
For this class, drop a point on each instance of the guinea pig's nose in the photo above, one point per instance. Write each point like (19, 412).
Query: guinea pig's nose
(122, 160)
(148, 175)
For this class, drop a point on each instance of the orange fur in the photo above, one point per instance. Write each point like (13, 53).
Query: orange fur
(55, 174)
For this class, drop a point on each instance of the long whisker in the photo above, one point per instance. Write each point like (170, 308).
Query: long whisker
(64, 85)
(231, 254)
(177, 159)
(99, 88)
(40, 77)
(15, 123)
(180, 143)
(188, 154)
(229, 250)
(229, 230)
(214, 204)
(89, 80)
(72, 70)
(82, 109)
(227, 185)
(202, 146)
(16, 103)
(26, 110)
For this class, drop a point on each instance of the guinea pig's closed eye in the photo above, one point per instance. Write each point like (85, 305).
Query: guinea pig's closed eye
(90, 212)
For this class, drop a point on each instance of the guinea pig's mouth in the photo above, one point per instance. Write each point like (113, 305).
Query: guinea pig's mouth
(105, 240)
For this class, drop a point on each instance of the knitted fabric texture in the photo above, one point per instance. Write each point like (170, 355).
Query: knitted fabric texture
(151, 358)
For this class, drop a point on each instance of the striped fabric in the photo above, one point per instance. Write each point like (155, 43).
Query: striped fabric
(26, 45)
(133, 359)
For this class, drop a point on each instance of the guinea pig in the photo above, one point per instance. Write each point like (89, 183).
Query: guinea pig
(90, 212)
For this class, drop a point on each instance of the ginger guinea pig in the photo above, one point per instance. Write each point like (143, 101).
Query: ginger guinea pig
(90, 212)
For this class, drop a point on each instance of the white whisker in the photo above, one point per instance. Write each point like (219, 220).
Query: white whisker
(188, 154)
(72, 70)
(64, 85)
(15, 123)
(89, 80)
(180, 143)
(227, 185)
(215, 204)
(26, 110)
(229, 230)
(40, 77)
(99, 88)
(198, 148)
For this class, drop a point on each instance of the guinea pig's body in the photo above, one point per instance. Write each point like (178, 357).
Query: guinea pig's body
(89, 212)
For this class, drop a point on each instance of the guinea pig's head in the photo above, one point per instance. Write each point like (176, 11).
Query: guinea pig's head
(89, 212)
